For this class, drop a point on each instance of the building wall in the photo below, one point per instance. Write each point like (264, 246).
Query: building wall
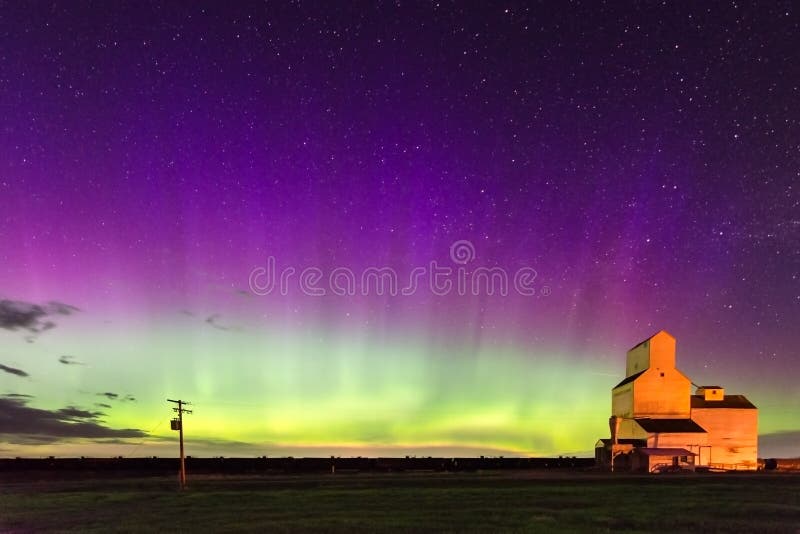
(689, 440)
(638, 359)
(662, 351)
(733, 435)
(657, 351)
(649, 463)
(630, 429)
(622, 401)
(662, 392)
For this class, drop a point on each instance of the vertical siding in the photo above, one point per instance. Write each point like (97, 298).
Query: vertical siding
(684, 440)
(638, 359)
(622, 401)
(662, 396)
(662, 351)
(733, 435)
(657, 351)
(630, 429)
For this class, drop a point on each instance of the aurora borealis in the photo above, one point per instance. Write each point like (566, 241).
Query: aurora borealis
(641, 159)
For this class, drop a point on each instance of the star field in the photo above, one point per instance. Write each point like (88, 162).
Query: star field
(641, 158)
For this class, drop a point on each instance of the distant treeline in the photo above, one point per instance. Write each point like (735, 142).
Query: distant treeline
(154, 466)
(46, 468)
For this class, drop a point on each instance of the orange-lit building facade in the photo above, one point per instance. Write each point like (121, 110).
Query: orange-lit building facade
(658, 424)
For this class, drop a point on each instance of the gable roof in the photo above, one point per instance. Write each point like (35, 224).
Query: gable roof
(677, 426)
(629, 379)
(730, 401)
(659, 333)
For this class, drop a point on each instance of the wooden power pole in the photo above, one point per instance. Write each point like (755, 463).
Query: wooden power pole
(177, 424)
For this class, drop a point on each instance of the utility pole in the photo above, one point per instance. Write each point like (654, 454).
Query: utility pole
(177, 424)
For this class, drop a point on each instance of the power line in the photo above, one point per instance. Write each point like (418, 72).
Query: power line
(149, 432)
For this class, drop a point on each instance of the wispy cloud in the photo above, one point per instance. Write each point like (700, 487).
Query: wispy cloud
(110, 395)
(59, 308)
(70, 360)
(214, 321)
(13, 370)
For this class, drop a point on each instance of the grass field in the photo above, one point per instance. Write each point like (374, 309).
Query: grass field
(519, 501)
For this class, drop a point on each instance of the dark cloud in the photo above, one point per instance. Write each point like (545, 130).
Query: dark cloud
(102, 405)
(72, 413)
(21, 315)
(108, 395)
(70, 360)
(17, 396)
(28, 439)
(19, 423)
(129, 398)
(30, 317)
(13, 370)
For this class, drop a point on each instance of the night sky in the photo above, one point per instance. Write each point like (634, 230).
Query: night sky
(639, 162)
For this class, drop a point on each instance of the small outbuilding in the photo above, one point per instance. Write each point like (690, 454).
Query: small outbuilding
(662, 459)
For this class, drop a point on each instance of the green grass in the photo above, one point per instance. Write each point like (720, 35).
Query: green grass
(524, 501)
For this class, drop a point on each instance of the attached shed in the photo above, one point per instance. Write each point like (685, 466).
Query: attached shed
(657, 459)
